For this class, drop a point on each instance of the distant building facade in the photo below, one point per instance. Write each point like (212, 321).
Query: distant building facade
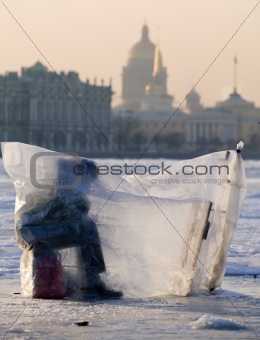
(232, 119)
(56, 112)
(146, 116)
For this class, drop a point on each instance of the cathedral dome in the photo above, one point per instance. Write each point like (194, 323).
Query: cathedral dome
(144, 49)
(193, 101)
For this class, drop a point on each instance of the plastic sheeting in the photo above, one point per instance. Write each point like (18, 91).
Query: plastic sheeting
(165, 231)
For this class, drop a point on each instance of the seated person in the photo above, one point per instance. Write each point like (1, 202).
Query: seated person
(61, 221)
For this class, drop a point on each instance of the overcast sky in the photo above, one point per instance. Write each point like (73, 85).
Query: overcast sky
(94, 37)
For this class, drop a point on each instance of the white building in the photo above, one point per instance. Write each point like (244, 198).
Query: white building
(232, 119)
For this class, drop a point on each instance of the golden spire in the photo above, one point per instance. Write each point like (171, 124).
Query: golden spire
(157, 66)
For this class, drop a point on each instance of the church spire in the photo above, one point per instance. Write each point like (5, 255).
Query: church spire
(158, 84)
(157, 66)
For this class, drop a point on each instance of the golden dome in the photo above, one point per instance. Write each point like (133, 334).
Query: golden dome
(144, 49)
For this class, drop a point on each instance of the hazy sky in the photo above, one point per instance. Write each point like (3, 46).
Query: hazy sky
(94, 37)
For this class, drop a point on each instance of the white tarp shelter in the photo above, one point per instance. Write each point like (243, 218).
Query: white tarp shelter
(161, 232)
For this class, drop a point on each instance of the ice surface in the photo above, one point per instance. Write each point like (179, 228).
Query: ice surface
(167, 317)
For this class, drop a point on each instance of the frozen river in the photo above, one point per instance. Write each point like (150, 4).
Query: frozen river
(232, 313)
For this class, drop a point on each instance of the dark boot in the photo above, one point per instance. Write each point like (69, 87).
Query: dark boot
(101, 290)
